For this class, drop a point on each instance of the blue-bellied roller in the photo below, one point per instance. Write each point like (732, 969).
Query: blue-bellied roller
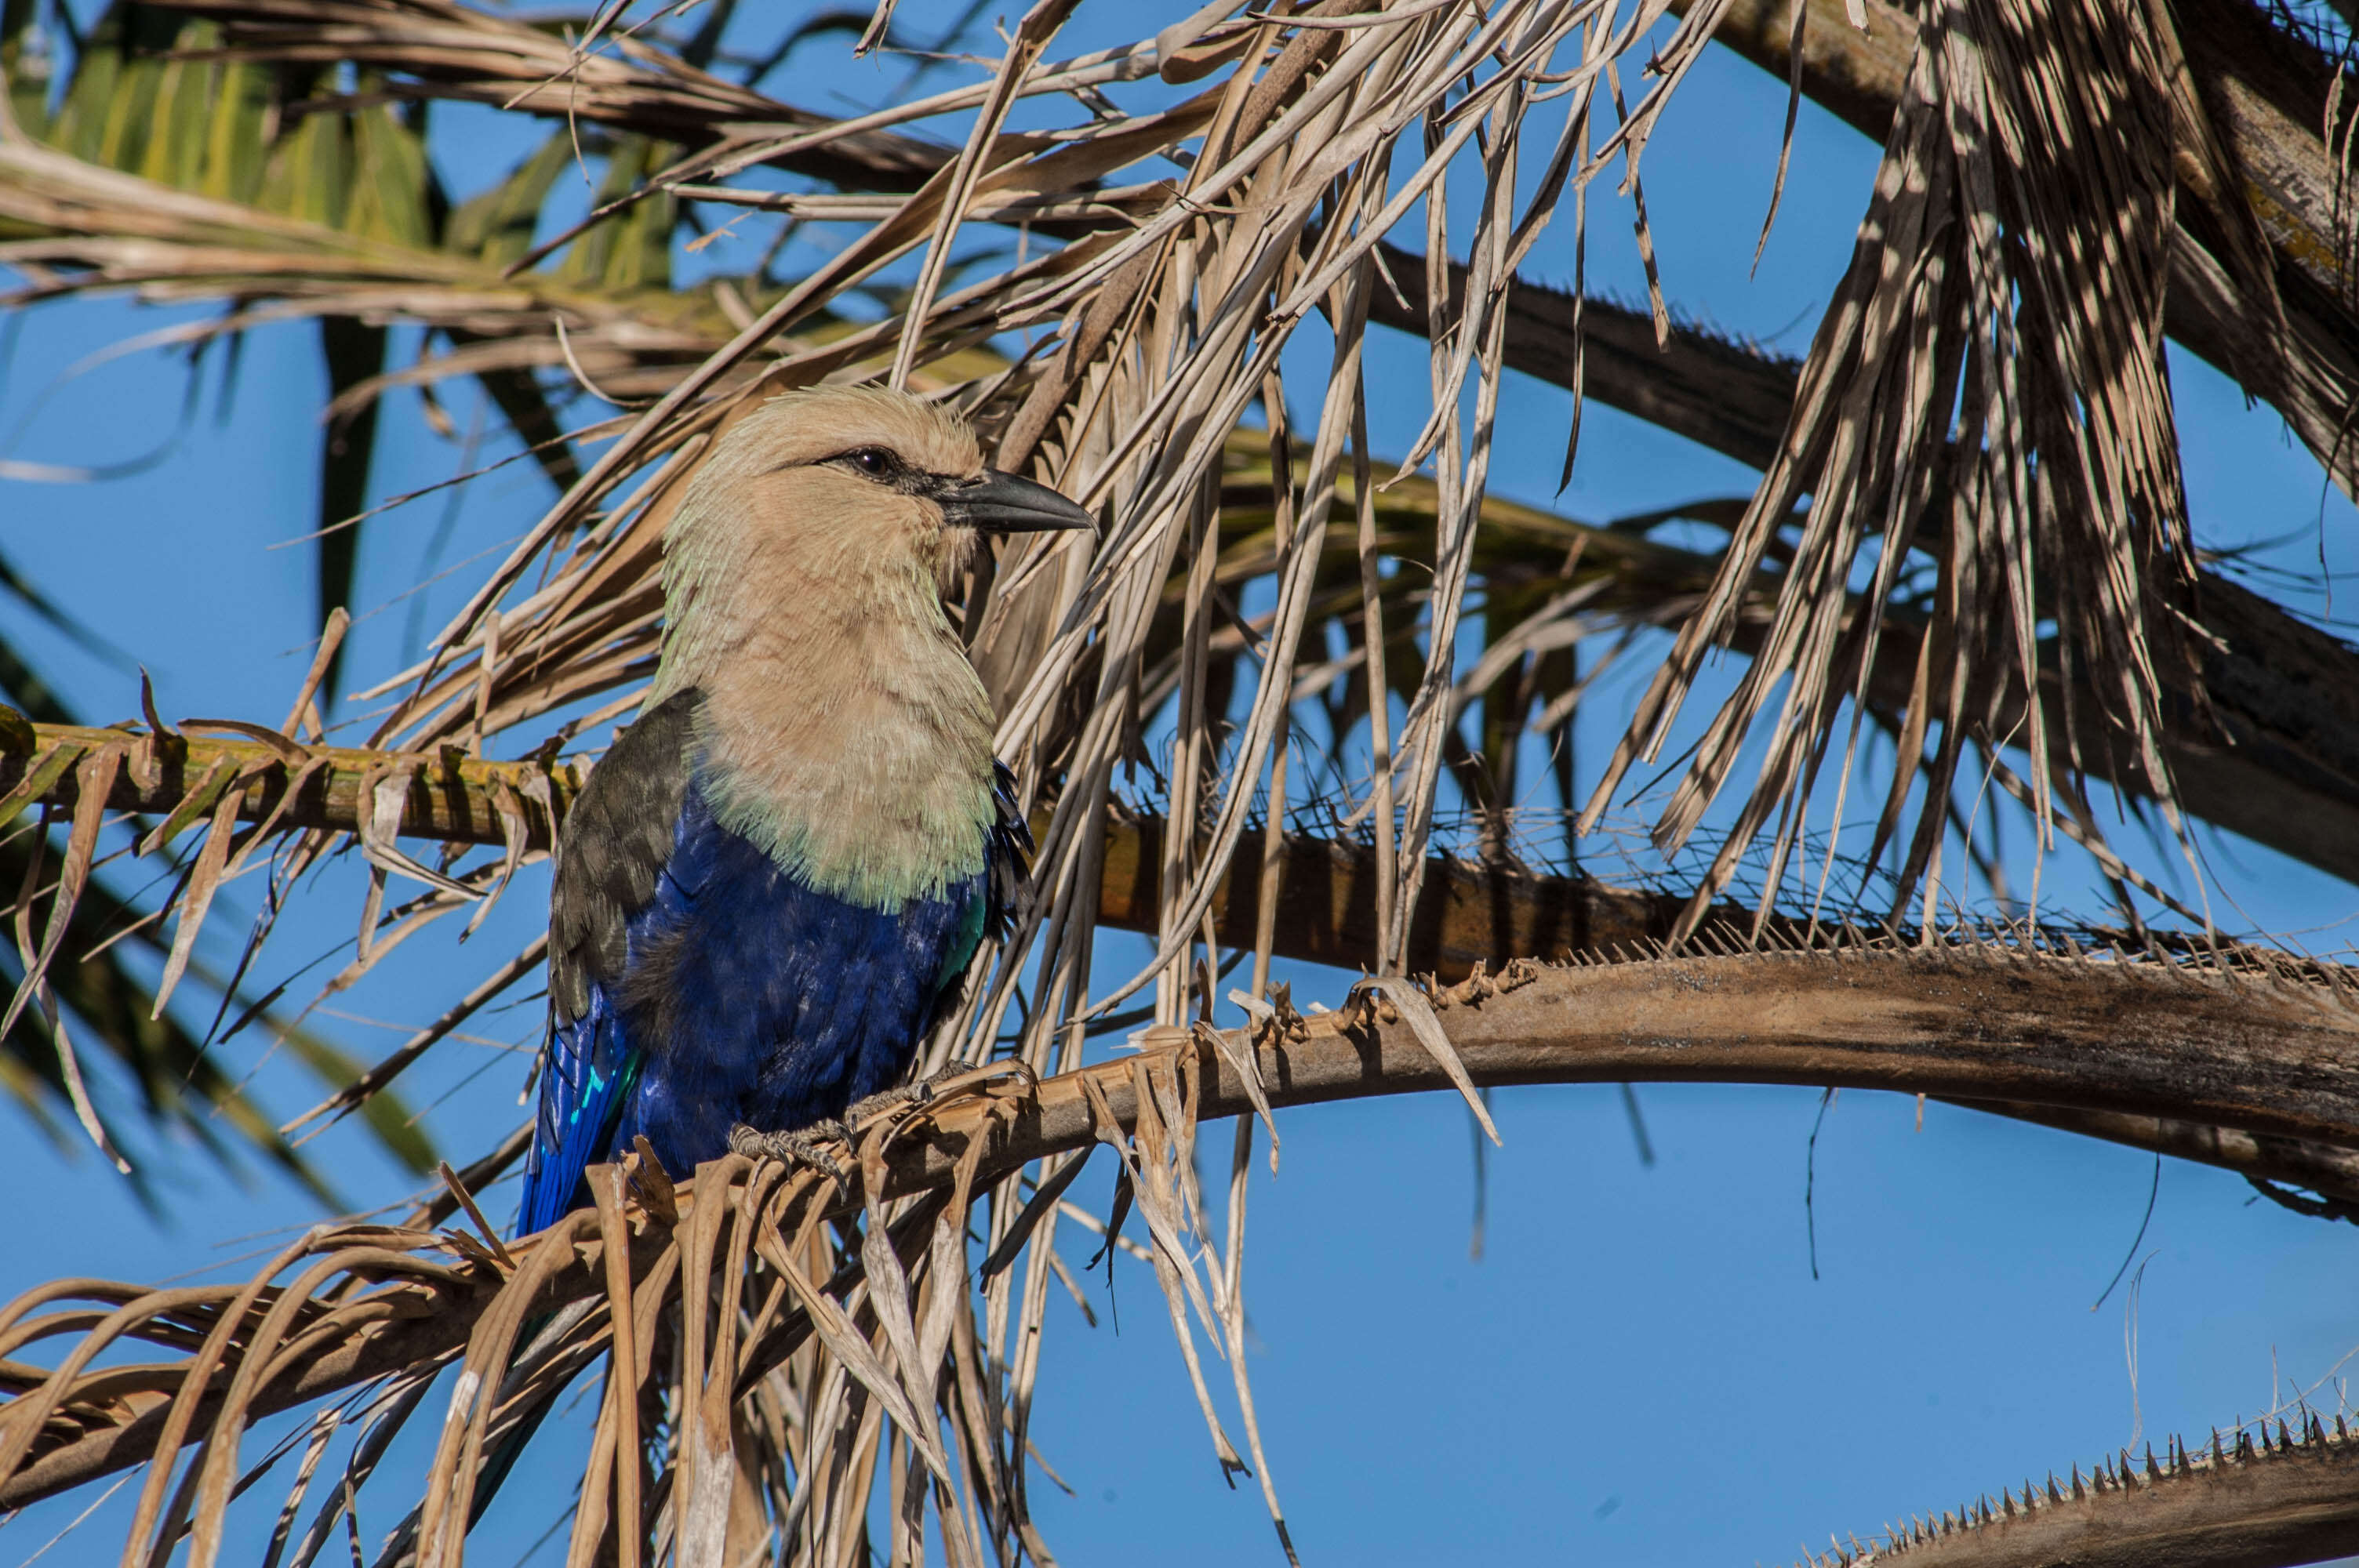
(778, 876)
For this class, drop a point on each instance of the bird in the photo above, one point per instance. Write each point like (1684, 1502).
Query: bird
(778, 876)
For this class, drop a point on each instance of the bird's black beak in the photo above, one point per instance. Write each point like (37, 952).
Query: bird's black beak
(1002, 504)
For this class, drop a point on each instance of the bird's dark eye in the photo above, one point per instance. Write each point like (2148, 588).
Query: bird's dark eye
(874, 461)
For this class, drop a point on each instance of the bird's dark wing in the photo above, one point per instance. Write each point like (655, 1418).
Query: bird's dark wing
(1007, 857)
(612, 851)
(610, 860)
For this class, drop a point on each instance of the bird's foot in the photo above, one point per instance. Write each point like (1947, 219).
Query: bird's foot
(804, 1146)
(948, 1083)
(866, 1111)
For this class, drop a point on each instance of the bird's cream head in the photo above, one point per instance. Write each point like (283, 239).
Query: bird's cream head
(842, 728)
(831, 512)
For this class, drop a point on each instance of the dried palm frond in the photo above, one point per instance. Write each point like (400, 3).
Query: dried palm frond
(605, 76)
(766, 1364)
(2271, 680)
(2011, 269)
(99, 229)
(2260, 117)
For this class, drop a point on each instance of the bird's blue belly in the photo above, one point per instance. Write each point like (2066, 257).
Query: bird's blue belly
(747, 997)
(779, 1005)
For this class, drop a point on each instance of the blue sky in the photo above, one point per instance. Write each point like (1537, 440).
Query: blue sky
(1641, 1368)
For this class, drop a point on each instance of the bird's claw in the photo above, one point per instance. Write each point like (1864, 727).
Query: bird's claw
(804, 1146)
(807, 1146)
(875, 1105)
(951, 1080)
